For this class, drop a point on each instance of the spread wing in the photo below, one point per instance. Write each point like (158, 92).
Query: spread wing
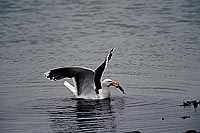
(99, 71)
(84, 78)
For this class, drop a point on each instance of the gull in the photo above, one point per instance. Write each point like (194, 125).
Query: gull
(88, 83)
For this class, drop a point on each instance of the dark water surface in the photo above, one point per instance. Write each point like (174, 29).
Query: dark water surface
(157, 61)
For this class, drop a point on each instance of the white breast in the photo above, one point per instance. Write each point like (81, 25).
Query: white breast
(104, 93)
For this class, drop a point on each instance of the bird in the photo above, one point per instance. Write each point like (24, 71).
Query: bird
(88, 83)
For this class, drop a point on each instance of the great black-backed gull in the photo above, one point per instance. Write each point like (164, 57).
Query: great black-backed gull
(87, 82)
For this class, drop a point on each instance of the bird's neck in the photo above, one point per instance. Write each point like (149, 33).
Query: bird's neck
(104, 92)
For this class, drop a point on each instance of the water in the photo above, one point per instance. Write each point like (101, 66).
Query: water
(156, 60)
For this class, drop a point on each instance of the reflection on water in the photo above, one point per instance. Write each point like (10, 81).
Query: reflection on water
(86, 115)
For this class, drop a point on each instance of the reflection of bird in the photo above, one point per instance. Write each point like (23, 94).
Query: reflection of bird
(87, 83)
(85, 106)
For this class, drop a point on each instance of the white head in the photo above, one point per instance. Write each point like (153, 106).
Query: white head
(108, 82)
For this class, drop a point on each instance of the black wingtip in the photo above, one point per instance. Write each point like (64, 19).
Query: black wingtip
(112, 50)
(110, 54)
(48, 76)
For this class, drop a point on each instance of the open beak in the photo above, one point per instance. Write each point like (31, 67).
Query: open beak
(117, 85)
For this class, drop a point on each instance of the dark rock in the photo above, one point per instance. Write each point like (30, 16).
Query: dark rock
(188, 102)
(194, 103)
(134, 132)
(191, 131)
(185, 117)
(185, 104)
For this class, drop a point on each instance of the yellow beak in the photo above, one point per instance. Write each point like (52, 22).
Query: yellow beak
(117, 85)
(113, 83)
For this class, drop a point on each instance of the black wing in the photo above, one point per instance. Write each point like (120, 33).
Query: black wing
(84, 77)
(99, 71)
